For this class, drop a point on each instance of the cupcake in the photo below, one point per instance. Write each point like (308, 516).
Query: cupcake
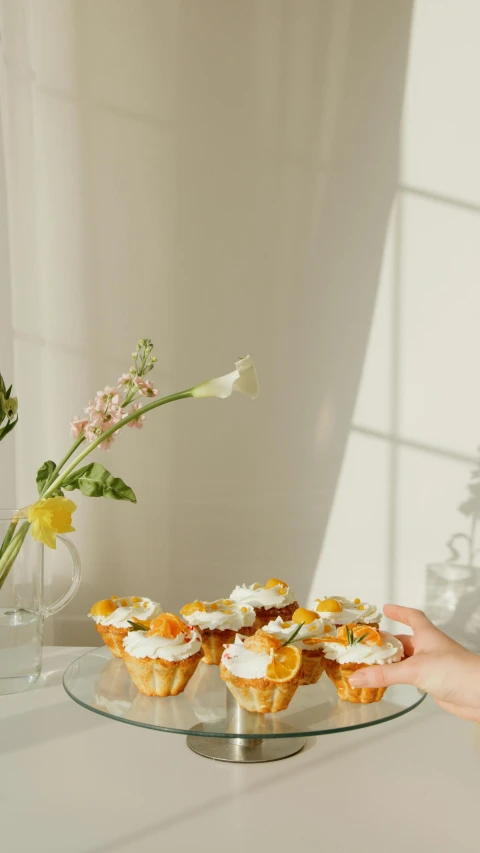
(344, 611)
(218, 622)
(113, 616)
(354, 647)
(308, 631)
(162, 660)
(261, 674)
(274, 599)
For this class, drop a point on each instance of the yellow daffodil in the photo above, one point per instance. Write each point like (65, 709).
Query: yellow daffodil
(243, 379)
(49, 517)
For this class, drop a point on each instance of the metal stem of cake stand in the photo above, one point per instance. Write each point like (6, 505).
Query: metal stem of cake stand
(244, 746)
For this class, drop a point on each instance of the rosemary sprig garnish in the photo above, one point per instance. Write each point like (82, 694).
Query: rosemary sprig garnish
(292, 636)
(352, 641)
(136, 626)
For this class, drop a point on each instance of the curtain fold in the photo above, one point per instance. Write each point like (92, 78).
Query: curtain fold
(217, 176)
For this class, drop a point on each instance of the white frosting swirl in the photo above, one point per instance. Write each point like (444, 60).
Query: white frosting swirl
(219, 616)
(257, 596)
(391, 651)
(283, 630)
(243, 662)
(140, 608)
(361, 613)
(141, 644)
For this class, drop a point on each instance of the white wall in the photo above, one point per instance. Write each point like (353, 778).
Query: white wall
(416, 424)
(225, 177)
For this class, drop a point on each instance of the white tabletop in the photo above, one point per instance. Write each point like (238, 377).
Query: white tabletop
(71, 780)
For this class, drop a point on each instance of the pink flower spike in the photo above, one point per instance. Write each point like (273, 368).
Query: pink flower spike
(139, 421)
(108, 395)
(145, 386)
(77, 426)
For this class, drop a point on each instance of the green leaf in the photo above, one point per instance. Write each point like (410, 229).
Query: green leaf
(292, 636)
(136, 626)
(8, 428)
(95, 481)
(44, 475)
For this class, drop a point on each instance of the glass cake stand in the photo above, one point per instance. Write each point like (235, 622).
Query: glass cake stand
(216, 727)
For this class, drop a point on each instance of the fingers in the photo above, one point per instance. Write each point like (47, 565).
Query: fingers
(407, 642)
(404, 672)
(415, 619)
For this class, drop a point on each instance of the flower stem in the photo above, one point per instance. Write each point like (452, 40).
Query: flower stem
(182, 395)
(62, 462)
(8, 558)
(8, 536)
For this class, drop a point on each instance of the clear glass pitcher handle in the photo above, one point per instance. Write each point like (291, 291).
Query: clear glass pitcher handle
(76, 574)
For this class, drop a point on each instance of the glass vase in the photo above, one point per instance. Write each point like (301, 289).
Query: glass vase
(23, 608)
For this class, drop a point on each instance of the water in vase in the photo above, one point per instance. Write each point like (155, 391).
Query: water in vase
(20, 649)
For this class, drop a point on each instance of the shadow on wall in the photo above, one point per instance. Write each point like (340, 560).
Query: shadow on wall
(453, 586)
(220, 179)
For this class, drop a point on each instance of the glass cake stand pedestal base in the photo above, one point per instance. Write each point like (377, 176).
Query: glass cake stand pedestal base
(240, 737)
(215, 726)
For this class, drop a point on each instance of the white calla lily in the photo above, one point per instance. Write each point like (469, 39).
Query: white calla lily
(243, 379)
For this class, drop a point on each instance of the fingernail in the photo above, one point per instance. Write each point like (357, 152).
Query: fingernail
(358, 679)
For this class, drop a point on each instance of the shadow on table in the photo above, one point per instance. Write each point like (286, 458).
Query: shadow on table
(139, 837)
(24, 729)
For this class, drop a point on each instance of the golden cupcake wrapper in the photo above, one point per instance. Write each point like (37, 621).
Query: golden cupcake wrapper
(263, 616)
(157, 677)
(258, 694)
(113, 638)
(313, 666)
(213, 642)
(340, 673)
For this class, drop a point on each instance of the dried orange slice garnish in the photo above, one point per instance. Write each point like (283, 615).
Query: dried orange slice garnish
(361, 633)
(328, 605)
(103, 608)
(193, 607)
(304, 616)
(276, 582)
(285, 664)
(167, 625)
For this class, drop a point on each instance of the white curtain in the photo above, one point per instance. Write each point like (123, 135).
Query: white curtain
(217, 176)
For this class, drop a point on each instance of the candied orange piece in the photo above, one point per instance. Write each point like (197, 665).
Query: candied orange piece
(103, 608)
(167, 625)
(144, 622)
(262, 643)
(276, 582)
(305, 616)
(285, 664)
(357, 600)
(329, 605)
(368, 634)
(188, 609)
(312, 641)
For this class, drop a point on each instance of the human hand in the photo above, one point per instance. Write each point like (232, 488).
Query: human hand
(434, 663)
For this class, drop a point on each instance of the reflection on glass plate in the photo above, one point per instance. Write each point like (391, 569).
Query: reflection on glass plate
(101, 683)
